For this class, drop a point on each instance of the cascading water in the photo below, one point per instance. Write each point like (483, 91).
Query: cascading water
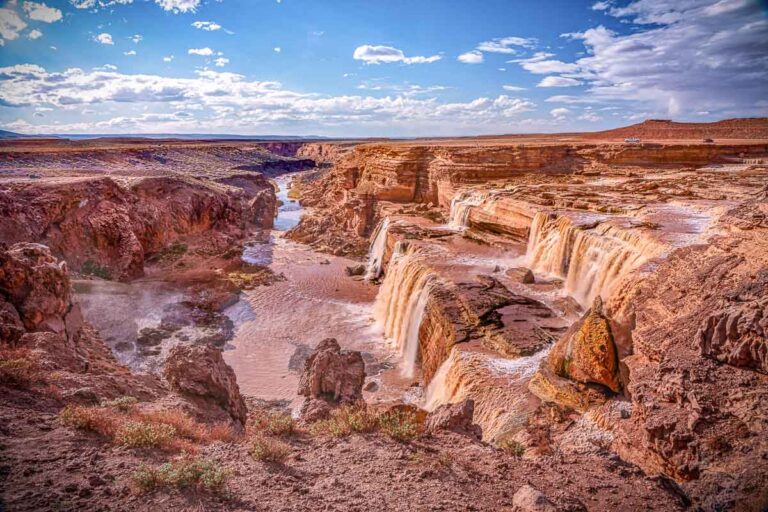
(376, 252)
(402, 301)
(461, 206)
(590, 261)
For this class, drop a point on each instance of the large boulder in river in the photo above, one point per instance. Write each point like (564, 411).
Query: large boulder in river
(333, 374)
(587, 353)
(200, 374)
(35, 293)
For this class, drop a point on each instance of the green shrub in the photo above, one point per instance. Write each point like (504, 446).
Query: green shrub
(279, 424)
(200, 474)
(139, 434)
(345, 421)
(123, 403)
(400, 425)
(268, 449)
(512, 447)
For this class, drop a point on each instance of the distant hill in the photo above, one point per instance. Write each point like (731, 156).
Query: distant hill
(744, 128)
(10, 135)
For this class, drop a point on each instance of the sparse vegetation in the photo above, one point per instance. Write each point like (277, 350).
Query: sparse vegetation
(269, 449)
(200, 474)
(123, 423)
(345, 421)
(19, 368)
(400, 425)
(91, 268)
(512, 447)
(274, 423)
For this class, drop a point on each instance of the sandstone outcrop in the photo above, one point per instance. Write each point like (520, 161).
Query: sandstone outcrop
(332, 374)
(107, 227)
(586, 353)
(35, 293)
(454, 417)
(200, 373)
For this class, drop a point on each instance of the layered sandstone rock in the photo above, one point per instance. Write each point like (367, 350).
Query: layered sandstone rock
(586, 353)
(200, 373)
(333, 374)
(454, 417)
(108, 227)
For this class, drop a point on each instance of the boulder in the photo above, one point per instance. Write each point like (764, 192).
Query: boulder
(200, 373)
(333, 374)
(587, 353)
(35, 290)
(454, 417)
(529, 499)
(521, 275)
(11, 327)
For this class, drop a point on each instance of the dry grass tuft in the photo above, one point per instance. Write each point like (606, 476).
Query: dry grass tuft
(346, 420)
(402, 426)
(19, 368)
(512, 447)
(274, 423)
(269, 449)
(200, 474)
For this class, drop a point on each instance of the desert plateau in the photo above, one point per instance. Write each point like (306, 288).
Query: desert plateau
(540, 302)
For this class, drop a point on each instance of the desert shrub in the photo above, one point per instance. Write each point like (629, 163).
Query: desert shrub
(345, 421)
(123, 403)
(19, 368)
(274, 423)
(140, 434)
(269, 449)
(445, 459)
(221, 432)
(181, 422)
(91, 268)
(201, 474)
(91, 419)
(512, 447)
(400, 425)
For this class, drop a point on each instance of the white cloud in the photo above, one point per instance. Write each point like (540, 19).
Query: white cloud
(35, 34)
(205, 52)
(559, 113)
(136, 38)
(505, 44)
(513, 88)
(97, 4)
(558, 81)
(168, 58)
(229, 102)
(206, 25)
(41, 12)
(601, 6)
(179, 6)
(221, 61)
(541, 65)
(104, 38)
(590, 116)
(106, 67)
(473, 57)
(130, 53)
(684, 57)
(277, 49)
(376, 54)
(10, 24)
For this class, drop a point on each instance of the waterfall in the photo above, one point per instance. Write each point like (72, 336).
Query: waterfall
(462, 204)
(401, 303)
(376, 252)
(438, 392)
(590, 261)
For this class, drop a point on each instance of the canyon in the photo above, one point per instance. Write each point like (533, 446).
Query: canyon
(537, 322)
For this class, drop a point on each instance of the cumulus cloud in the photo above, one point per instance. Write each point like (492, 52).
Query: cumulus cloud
(41, 12)
(473, 57)
(130, 53)
(221, 62)
(505, 44)
(10, 24)
(97, 4)
(35, 34)
(229, 101)
(136, 38)
(205, 52)
(541, 64)
(208, 26)
(681, 58)
(179, 6)
(559, 113)
(558, 81)
(513, 88)
(277, 49)
(168, 58)
(104, 38)
(377, 54)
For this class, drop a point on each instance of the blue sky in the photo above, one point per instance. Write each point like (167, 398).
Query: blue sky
(377, 68)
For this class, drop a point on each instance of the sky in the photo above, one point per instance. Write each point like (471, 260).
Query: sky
(394, 68)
